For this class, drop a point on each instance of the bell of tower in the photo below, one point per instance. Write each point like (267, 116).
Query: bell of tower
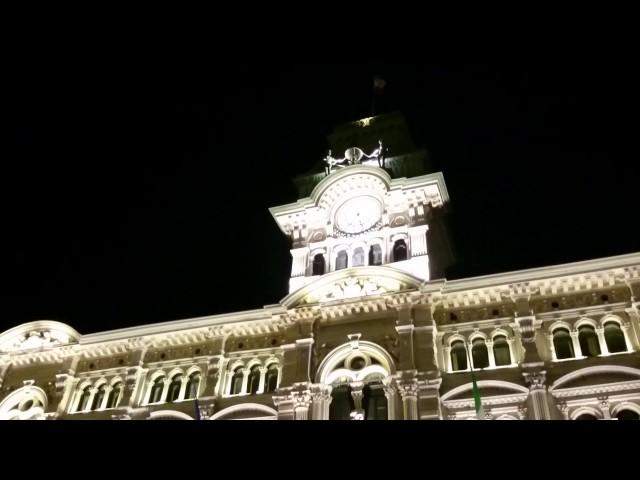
(359, 212)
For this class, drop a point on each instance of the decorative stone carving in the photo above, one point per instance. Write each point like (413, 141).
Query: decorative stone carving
(408, 388)
(206, 410)
(536, 380)
(353, 287)
(36, 339)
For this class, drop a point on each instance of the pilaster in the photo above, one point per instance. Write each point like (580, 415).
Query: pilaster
(538, 399)
(321, 400)
(407, 385)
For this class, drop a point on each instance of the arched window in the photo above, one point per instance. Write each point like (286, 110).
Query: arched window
(236, 381)
(254, 379)
(399, 251)
(25, 403)
(501, 351)
(614, 337)
(156, 390)
(627, 415)
(192, 385)
(479, 353)
(587, 416)
(562, 344)
(318, 264)
(174, 388)
(99, 397)
(341, 260)
(341, 403)
(458, 356)
(358, 257)
(83, 404)
(114, 396)
(588, 341)
(374, 402)
(271, 378)
(375, 255)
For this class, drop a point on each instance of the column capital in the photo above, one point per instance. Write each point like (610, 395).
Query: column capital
(408, 388)
(536, 380)
(301, 399)
(206, 410)
(320, 391)
(522, 412)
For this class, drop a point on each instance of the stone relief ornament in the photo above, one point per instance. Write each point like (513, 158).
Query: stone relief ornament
(35, 339)
(353, 287)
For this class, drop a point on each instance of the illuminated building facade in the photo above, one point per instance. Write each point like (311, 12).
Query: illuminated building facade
(369, 330)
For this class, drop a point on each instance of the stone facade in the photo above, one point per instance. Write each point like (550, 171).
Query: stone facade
(365, 333)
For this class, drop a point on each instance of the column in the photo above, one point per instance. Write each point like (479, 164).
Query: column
(625, 332)
(409, 392)
(284, 405)
(107, 393)
(538, 395)
(165, 390)
(261, 386)
(512, 351)
(604, 350)
(418, 236)
(492, 358)
(321, 400)
(93, 391)
(299, 263)
(357, 394)
(245, 380)
(301, 404)
(577, 351)
(447, 358)
(390, 393)
(183, 388)
(3, 371)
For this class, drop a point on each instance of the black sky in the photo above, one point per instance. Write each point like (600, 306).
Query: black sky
(131, 197)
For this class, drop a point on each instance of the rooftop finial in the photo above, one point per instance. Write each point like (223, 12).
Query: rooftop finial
(353, 156)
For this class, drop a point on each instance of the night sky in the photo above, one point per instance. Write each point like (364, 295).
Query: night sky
(132, 196)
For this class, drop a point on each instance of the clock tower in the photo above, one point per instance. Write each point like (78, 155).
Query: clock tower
(361, 215)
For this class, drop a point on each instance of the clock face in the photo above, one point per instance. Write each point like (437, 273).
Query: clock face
(358, 215)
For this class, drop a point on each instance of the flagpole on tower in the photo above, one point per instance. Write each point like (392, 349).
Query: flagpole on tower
(378, 86)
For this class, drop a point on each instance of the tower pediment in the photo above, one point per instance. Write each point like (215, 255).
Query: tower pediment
(352, 283)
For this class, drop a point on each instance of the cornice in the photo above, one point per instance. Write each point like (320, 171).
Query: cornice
(487, 401)
(596, 389)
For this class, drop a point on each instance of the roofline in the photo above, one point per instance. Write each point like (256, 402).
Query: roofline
(186, 324)
(539, 273)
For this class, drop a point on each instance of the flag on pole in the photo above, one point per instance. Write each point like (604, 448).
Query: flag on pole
(378, 84)
(197, 409)
(477, 400)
